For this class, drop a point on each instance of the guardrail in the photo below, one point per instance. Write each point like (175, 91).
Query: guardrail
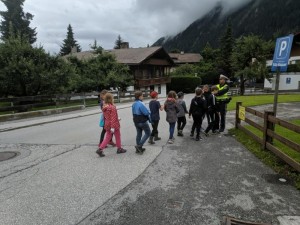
(268, 130)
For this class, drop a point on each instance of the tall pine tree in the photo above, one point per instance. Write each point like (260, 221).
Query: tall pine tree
(118, 42)
(69, 43)
(226, 47)
(16, 22)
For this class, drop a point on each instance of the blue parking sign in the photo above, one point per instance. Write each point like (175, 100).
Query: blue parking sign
(282, 53)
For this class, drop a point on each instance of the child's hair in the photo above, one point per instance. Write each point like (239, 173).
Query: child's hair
(214, 88)
(103, 92)
(206, 86)
(172, 94)
(109, 98)
(180, 94)
(138, 94)
(198, 91)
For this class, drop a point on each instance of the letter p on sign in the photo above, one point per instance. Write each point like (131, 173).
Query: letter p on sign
(283, 46)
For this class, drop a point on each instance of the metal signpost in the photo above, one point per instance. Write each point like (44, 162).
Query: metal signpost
(281, 61)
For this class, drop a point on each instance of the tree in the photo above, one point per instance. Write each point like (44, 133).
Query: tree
(118, 42)
(187, 70)
(97, 49)
(16, 21)
(69, 43)
(102, 71)
(208, 68)
(227, 42)
(25, 70)
(249, 58)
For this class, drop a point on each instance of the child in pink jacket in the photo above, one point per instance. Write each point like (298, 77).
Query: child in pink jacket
(112, 125)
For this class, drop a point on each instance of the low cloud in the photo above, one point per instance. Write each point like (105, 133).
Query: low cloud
(140, 22)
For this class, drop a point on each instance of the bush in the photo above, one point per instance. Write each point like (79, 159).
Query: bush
(184, 84)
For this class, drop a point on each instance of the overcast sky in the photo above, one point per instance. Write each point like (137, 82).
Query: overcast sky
(139, 22)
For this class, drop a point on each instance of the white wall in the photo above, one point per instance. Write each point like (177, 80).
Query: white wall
(163, 88)
(288, 81)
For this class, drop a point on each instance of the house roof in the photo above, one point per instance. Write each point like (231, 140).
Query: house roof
(181, 58)
(129, 56)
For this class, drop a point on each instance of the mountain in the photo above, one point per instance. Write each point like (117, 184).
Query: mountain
(267, 18)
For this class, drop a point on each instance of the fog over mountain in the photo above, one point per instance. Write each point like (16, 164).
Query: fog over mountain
(265, 18)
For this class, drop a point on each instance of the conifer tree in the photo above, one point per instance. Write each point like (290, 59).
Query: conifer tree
(226, 47)
(69, 43)
(118, 42)
(16, 22)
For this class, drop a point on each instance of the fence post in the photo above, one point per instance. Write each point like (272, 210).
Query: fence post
(237, 118)
(84, 103)
(267, 125)
(118, 96)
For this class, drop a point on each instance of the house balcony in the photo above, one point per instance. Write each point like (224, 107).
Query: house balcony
(152, 81)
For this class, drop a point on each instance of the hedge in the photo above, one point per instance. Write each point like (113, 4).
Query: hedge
(184, 84)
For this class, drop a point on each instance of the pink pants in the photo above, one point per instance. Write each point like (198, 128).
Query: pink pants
(108, 137)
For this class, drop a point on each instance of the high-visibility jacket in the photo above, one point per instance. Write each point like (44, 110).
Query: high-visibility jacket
(224, 96)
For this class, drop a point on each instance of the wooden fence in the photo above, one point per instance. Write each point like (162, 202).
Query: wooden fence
(27, 103)
(268, 130)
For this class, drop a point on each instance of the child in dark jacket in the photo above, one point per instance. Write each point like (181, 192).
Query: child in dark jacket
(154, 106)
(171, 109)
(197, 109)
(181, 120)
(213, 112)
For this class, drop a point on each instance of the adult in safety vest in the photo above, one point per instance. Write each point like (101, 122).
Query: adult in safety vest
(222, 100)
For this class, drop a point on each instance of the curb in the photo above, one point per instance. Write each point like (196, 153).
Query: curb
(47, 112)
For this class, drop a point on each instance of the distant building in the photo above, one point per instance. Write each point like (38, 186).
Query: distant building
(185, 58)
(289, 81)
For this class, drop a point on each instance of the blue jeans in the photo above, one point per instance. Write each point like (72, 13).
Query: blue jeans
(171, 129)
(140, 127)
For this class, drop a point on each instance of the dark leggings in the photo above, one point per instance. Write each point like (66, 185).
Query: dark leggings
(181, 122)
(154, 128)
(197, 123)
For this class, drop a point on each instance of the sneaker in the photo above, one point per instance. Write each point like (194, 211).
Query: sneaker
(197, 138)
(173, 139)
(121, 150)
(100, 152)
(170, 141)
(180, 134)
(139, 149)
(156, 138)
(192, 135)
(221, 130)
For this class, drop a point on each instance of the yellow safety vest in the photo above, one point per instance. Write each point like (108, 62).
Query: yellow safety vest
(224, 96)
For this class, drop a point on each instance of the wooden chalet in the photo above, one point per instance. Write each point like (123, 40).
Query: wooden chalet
(151, 66)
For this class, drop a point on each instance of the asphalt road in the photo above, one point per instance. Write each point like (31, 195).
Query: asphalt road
(58, 178)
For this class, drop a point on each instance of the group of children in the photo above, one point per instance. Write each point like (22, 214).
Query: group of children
(203, 104)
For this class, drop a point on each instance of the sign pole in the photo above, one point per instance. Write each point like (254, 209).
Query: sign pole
(276, 91)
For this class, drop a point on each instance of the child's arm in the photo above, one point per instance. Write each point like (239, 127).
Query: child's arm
(184, 107)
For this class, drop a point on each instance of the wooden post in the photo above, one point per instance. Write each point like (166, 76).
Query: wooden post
(267, 125)
(237, 119)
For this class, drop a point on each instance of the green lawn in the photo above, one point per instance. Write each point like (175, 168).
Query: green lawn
(291, 135)
(254, 100)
